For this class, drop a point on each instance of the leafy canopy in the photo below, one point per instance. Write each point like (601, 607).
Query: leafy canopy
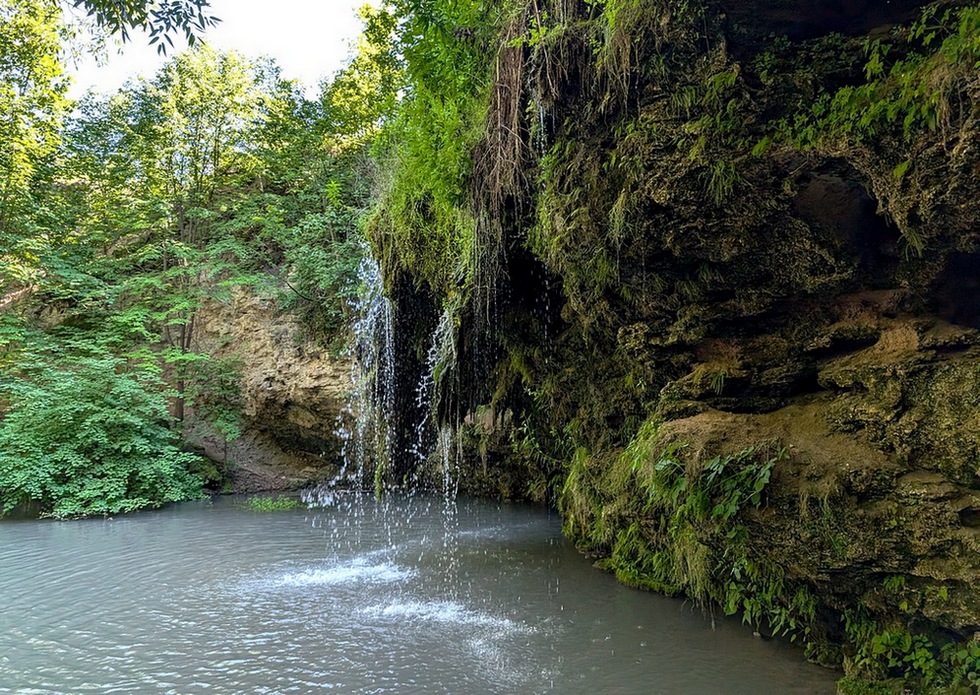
(158, 18)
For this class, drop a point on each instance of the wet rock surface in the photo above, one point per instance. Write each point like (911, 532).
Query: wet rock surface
(761, 294)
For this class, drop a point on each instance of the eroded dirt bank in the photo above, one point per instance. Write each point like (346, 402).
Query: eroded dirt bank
(289, 397)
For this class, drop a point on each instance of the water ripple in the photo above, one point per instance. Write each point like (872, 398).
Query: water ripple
(362, 597)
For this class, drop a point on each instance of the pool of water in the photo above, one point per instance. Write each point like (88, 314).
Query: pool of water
(409, 595)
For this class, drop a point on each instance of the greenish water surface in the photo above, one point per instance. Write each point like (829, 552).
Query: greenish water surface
(409, 595)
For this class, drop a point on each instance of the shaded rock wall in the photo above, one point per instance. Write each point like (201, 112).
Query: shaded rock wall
(292, 396)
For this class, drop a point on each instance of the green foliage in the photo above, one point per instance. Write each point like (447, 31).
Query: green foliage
(640, 564)
(913, 84)
(32, 98)
(422, 221)
(723, 486)
(702, 504)
(272, 504)
(192, 186)
(212, 179)
(573, 221)
(155, 172)
(362, 95)
(32, 101)
(159, 19)
(323, 251)
(597, 206)
(852, 685)
(86, 432)
(214, 392)
(672, 524)
(894, 583)
(895, 97)
(880, 652)
(757, 590)
(631, 31)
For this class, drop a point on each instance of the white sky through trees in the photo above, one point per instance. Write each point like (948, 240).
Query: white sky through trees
(309, 39)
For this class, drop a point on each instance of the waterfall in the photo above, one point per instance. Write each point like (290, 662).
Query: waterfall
(440, 370)
(364, 425)
(367, 426)
(373, 372)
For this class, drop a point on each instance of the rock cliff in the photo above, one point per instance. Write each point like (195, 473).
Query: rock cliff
(291, 396)
(725, 310)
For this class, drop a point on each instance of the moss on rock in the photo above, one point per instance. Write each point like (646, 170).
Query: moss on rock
(735, 331)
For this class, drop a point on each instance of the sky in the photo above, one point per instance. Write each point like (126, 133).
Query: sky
(309, 39)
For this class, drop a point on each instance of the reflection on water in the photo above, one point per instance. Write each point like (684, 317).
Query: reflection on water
(357, 597)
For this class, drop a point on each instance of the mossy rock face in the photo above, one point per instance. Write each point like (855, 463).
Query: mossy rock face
(842, 522)
(915, 393)
(746, 284)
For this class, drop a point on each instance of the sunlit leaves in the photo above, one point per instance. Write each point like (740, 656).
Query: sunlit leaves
(362, 95)
(215, 176)
(161, 19)
(31, 103)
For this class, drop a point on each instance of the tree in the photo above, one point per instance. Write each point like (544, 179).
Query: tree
(364, 94)
(214, 176)
(32, 102)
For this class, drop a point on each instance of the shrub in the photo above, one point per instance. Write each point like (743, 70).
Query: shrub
(88, 435)
(272, 504)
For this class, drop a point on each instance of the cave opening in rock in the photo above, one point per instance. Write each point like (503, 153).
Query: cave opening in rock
(954, 297)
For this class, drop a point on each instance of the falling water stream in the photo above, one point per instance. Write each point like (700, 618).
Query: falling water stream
(363, 425)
